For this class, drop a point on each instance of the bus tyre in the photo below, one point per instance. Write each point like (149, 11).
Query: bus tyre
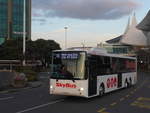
(101, 90)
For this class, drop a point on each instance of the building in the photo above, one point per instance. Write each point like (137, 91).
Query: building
(118, 45)
(134, 41)
(144, 25)
(11, 19)
(134, 36)
(144, 54)
(119, 49)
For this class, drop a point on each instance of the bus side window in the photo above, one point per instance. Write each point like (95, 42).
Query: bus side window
(130, 65)
(121, 67)
(100, 65)
(107, 65)
(114, 65)
(104, 66)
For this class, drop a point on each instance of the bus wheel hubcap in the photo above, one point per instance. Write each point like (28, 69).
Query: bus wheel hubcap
(101, 91)
(126, 84)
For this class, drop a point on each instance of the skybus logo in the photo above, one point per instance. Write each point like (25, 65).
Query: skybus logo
(67, 85)
(111, 82)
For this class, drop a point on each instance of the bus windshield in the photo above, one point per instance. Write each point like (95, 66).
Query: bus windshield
(68, 65)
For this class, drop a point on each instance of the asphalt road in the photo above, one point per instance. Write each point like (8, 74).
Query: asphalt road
(131, 100)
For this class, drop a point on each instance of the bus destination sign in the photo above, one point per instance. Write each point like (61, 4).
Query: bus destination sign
(66, 56)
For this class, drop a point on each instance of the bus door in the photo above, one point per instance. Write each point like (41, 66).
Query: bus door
(92, 77)
(92, 85)
(119, 80)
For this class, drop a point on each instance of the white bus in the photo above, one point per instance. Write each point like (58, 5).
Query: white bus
(89, 73)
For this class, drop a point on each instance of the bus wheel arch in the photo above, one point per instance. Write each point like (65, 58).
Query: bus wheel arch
(101, 89)
(130, 81)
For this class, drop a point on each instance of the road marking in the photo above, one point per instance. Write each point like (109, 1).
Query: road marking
(3, 92)
(6, 98)
(102, 110)
(142, 102)
(113, 104)
(122, 99)
(140, 98)
(40, 106)
(143, 99)
(135, 89)
(132, 92)
(127, 96)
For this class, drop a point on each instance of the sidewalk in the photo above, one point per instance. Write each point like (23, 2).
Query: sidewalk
(30, 85)
(34, 84)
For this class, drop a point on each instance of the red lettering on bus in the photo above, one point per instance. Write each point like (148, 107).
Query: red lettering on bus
(111, 82)
(115, 81)
(66, 85)
(108, 83)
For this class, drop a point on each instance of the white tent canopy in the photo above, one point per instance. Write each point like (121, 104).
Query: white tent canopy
(133, 36)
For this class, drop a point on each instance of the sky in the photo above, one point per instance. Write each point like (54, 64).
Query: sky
(89, 22)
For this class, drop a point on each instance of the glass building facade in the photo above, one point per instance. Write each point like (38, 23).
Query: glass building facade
(11, 19)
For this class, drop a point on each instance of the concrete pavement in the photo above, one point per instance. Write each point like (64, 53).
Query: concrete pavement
(30, 85)
(37, 100)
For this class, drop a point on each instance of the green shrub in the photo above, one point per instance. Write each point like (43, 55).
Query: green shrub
(31, 75)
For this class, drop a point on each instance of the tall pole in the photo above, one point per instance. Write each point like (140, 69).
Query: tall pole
(24, 32)
(65, 36)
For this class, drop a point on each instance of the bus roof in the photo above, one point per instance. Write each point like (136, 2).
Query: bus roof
(95, 51)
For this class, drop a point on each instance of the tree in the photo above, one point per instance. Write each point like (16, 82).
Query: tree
(35, 50)
(11, 50)
(41, 50)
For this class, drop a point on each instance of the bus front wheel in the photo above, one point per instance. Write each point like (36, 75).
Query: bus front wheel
(101, 90)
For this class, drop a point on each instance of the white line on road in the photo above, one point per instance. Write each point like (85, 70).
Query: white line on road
(6, 98)
(40, 106)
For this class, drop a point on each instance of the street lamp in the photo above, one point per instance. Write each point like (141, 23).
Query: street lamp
(24, 32)
(83, 44)
(65, 36)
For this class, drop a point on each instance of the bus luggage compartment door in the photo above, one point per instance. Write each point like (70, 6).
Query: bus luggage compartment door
(119, 80)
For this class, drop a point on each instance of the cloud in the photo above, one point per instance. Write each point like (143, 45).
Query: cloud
(84, 9)
(39, 19)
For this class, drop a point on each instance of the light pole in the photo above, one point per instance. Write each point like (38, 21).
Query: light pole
(83, 44)
(24, 32)
(65, 36)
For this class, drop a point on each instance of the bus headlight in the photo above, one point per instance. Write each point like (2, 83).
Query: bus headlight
(81, 89)
(51, 87)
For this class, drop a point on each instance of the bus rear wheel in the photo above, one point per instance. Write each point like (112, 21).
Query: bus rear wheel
(126, 84)
(101, 90)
